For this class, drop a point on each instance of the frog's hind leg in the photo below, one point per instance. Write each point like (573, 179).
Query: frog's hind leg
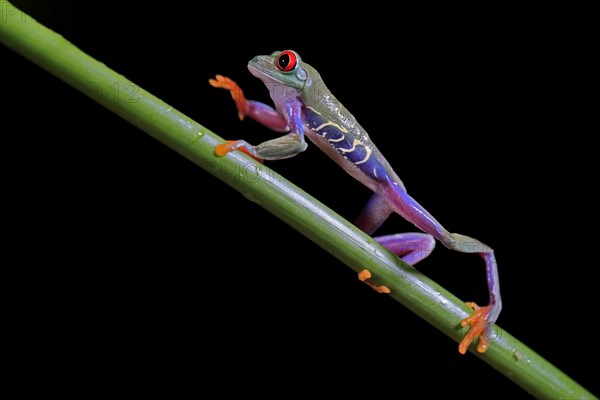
(412, 247)
(483, 317)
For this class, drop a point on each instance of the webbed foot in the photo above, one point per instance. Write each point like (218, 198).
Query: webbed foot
(223, 149)
(222, 82)
(482, 319)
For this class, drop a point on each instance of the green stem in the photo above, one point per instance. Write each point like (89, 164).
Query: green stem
(258, 183)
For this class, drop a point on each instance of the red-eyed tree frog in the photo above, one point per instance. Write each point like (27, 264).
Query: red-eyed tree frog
(304, 107)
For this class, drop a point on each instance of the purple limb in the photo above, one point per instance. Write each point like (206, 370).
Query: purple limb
(275, 149)
(407, 207)
(411, 247)
(267, 116)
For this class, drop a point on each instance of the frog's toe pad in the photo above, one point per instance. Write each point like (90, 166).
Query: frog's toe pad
(479, 324)
(366, 274)
(224, 148)
(223, 82)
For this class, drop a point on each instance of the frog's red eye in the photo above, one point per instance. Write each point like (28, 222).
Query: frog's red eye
(286, 61)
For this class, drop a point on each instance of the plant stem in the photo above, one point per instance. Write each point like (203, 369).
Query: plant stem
(258, 183)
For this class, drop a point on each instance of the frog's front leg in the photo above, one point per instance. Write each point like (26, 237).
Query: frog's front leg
(260, 112)
(275, 149)
(282, 147)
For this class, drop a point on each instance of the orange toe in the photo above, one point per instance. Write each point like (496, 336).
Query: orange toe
(479, 323)
(222, 149)
(223, 82)
(366, 274)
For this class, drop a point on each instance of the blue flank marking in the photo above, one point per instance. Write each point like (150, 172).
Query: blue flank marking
(372, 168)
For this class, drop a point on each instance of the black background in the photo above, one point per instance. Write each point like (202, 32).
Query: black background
(134, 255)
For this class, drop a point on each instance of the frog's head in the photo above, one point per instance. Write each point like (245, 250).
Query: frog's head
(281, 67)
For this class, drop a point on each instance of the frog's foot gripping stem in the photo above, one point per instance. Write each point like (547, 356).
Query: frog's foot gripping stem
(480, 322)
(223, 149)
(393, 197)
(364, 275)
(222, 82)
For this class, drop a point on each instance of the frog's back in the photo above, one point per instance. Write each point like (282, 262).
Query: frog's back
(335, 130)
